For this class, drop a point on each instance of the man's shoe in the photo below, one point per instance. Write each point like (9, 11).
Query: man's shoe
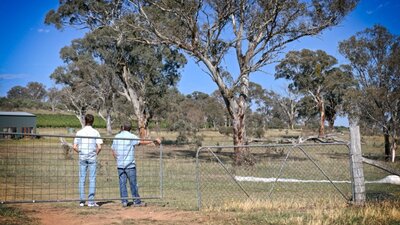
(142, 204)
(81, 204)
(124, 204)
(93, 204)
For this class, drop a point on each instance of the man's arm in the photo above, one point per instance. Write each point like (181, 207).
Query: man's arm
(147, 142)
(75, 147)
(98, 149)
(114, 154)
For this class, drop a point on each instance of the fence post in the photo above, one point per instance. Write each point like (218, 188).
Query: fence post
(356, 164)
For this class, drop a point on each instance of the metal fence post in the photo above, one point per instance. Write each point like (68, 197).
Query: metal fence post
(198, 179)
(161, 173)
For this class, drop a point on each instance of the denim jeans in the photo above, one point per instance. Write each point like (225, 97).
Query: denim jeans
(130, 174)
(84, 165)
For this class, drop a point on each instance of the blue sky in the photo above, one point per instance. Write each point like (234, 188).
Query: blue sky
(29, 49)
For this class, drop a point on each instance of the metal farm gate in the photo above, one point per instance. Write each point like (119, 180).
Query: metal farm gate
(44, 168)
(303, 172)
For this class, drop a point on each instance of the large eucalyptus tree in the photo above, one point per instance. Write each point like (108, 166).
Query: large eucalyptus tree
(230, 38)
(234, 38)
(33, 91)
(85, 82)
(314, 74)
(140, 72)
(374, 54)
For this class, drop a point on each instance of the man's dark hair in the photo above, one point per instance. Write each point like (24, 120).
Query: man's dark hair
(89, 118)
(127, 126)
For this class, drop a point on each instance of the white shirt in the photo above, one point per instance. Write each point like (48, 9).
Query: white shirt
(87, 146)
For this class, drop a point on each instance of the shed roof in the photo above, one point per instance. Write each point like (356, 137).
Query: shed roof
(2, 113)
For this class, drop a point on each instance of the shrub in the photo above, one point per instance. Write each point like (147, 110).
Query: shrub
(182, 139)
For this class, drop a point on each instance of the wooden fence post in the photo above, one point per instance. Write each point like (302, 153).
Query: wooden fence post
(356, 164)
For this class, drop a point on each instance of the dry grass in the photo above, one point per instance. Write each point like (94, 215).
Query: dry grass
(317, 213)
(280, 205)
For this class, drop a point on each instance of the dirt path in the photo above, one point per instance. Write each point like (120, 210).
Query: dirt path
(111, 213)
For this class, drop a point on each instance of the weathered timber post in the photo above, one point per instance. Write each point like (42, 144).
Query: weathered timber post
(356, 163)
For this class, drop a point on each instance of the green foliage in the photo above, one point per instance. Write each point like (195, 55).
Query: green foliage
(63, 120)
(315, 74)
(13, 104)
(374, 57)
(106, 62)
(60, 120)
(34, 91)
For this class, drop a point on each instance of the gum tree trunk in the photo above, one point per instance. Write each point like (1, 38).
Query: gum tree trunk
(321, 107)
(142, 124)
(387, 144)
(136, 100)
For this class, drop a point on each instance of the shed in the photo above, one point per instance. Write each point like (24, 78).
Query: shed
(17, 122)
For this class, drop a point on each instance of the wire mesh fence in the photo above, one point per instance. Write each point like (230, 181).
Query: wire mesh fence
(41, 168)
(310, 172)
(381, 185)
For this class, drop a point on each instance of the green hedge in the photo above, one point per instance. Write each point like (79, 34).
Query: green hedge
(61, 120)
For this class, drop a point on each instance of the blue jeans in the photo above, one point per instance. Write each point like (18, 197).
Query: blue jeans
(130, 174)
(84, 165)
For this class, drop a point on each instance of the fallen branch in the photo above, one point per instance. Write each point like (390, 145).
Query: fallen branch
(381, 166)
(328, 138)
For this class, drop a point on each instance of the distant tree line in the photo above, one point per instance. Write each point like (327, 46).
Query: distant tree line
(186, 114)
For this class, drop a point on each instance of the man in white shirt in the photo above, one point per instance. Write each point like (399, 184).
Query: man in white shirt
(87, 144)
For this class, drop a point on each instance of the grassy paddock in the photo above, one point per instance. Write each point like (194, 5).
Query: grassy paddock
(290, 203)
